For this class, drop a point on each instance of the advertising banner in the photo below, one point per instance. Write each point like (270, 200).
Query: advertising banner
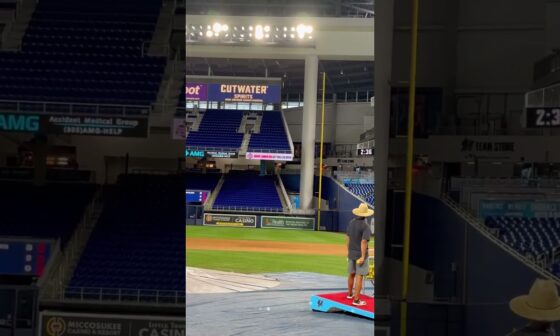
(230, 220)
(133, 127)
(60, 324)
(196, 92)
(13, 122)
(222, 154)
(246, 93)
(75, 124)
(190, 153)
(178, 129)
(294, 223)
(269, 156)
(519, 208)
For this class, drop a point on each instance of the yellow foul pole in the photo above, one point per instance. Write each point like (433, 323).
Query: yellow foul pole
(321, 153)
(409, 157)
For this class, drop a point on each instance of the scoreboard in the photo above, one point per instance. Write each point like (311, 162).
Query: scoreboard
(365, 152)
(543, 117)
(24, 257)
(196, 196)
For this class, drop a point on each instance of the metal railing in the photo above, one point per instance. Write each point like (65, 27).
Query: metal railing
(123, 295)
(249, 209)
(25, 106)
(63, 269)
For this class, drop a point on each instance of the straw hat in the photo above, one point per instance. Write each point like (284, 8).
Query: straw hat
(542, 304)
(363, 211)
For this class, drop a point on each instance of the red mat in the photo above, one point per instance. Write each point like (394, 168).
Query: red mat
(341, 298)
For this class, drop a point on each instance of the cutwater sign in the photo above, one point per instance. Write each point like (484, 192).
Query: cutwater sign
(19, 122)
(65, 324)
(230, 220)
(246, 93)
(295, 223)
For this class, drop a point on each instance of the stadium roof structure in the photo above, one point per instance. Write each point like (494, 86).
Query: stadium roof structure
(344, 46)
(317, 8)
(342, 76)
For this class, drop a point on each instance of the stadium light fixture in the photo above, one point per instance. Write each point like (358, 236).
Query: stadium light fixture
(219, 32)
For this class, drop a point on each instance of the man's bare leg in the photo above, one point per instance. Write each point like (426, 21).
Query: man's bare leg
(359, 280)
(351, 283)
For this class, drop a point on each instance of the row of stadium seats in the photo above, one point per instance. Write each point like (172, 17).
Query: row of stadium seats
(364, 190)
(225, 123)
(530, 236)
(54, 214)
(103, 41)
(201, 181)
(218, 129)
(248, 190)
(272, 134)
(138, 243)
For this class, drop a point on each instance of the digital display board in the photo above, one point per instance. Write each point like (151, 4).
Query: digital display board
(18, 257)
(543, 117)
(197, 196)
(245, 93)
(194, 153)
(365, 152)
(222, 154)
(213, 154)
(196, 92)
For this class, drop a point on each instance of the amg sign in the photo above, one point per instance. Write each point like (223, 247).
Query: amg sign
(19, 122)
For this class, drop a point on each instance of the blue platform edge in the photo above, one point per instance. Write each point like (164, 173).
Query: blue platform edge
(321, 304)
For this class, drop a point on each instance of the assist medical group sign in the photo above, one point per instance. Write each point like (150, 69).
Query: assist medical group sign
(74, 124)
(245, 93)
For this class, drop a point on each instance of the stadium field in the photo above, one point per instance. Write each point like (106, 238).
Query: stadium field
(264, 234)
(324, 251)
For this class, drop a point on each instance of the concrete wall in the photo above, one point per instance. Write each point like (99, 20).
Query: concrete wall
(344, 122)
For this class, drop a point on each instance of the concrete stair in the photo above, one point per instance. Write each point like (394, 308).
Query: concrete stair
(210, 201)
(245, 144)
(159, 45)
(12, 35)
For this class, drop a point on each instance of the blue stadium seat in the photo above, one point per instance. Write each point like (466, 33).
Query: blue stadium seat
(91, 53)
(248, 190)
(532, 237)
(218, 129)
(272, 136)
(364, 190)
(136, 251)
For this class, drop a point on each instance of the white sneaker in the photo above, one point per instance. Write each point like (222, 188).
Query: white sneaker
(359, 303)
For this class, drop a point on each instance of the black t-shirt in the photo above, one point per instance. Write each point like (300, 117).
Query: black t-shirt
(357, 231)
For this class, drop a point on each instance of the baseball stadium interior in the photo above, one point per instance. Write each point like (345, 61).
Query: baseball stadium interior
(189, 167)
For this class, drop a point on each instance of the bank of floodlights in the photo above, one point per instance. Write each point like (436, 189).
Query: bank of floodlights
(222, 33)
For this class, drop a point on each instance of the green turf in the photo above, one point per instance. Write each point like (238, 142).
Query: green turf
(264, 234)
(253, 262)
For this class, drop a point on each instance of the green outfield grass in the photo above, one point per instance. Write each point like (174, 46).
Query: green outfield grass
(252, 262)
(295, 236)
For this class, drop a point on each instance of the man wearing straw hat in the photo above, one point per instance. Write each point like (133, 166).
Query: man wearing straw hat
(541, 307)
(358, 234)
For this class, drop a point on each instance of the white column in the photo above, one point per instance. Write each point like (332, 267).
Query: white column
(308, 131)
(383, 66)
